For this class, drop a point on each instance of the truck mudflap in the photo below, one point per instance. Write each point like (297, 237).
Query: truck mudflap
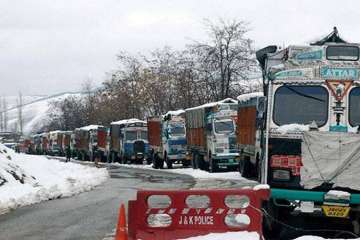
(166, 215)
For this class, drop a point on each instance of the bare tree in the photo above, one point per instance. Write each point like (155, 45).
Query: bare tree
(227, 57)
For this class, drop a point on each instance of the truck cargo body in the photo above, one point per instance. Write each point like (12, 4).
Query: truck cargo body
(308, 135)
(167, 139)
(129, 141)
(210, 134)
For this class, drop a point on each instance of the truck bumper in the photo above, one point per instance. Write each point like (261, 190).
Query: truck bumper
(303, 195)
(176, 157)
(227, 160)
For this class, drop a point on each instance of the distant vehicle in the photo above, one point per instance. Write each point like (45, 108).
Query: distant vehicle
(55, 143)
(210, 134)
(167, 139)
(36, 139)
(44, 143)
(89, 139)
(129, 141)
(66, 141)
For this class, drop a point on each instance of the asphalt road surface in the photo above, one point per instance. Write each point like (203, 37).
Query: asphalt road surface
(90, 215)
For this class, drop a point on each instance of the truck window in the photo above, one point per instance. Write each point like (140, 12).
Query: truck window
(224, 126)
(130, 135)
(354, 107)
(144, 135)
(301, 105)
(344, 53)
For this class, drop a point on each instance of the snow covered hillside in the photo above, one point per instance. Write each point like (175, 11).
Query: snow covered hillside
(28, 179)
(34, 112)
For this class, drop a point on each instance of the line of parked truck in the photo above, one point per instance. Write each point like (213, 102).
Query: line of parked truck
(203, 137)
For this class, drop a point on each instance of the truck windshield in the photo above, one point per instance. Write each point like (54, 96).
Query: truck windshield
(301, 105)
(131, 135)
(354, 107)
(224, 126)
(177, 130)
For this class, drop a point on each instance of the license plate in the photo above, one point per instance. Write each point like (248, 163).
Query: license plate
(336, 211)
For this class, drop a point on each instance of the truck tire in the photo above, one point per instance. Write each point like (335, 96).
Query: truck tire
(213, 166)
(158, 162)
(245, 167)
(194, 161)
(168, 161)
(185, 163)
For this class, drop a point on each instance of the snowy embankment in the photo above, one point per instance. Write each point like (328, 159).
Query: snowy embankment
(28, 179)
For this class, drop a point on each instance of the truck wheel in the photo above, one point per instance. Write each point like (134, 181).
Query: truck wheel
(185, 163)
(213, 167)
(168, 161)
(194, 161)
(245, 167)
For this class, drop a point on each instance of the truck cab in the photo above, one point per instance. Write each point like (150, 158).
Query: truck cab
(307, 139)
(129, 141)
(167, 139)
(211, 135)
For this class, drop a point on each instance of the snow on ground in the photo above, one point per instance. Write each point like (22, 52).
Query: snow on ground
(28, 179)
(195, 173)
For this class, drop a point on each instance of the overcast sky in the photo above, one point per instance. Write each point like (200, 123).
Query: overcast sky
(50, 46)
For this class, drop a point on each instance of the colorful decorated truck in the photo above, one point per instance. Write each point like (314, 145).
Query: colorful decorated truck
(129, 141)
(167, 139)
(210, 134)
(304, 136)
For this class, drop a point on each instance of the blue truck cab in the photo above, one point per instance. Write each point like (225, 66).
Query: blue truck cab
(129, 141)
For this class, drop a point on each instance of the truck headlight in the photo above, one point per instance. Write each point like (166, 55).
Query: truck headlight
(281, 175)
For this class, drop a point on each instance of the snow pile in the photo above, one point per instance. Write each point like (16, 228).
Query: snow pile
(27, 179)
(228, 236)
(292, 128)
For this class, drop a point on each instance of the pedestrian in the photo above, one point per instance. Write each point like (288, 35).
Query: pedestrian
(68, 154)
(97, 156)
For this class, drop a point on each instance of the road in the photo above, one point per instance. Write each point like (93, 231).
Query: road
(90, 215)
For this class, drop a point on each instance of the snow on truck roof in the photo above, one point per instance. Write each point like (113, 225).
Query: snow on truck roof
(248, 96)
(175, 113)
(127, 121)
(212, 104)
(90, 127)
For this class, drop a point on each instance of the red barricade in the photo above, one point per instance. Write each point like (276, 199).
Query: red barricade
(188, 213)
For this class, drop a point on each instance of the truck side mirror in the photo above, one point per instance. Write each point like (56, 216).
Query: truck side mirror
(209, 127)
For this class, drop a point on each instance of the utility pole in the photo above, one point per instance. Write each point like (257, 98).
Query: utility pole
(5, 114)
(1, 116)
(20, 120)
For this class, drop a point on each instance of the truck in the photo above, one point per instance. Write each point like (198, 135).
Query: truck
(167, 139)
(304, 136)
(66, 141)
(210, 135)
(89, 139)
(129, 141)
(55, 143)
